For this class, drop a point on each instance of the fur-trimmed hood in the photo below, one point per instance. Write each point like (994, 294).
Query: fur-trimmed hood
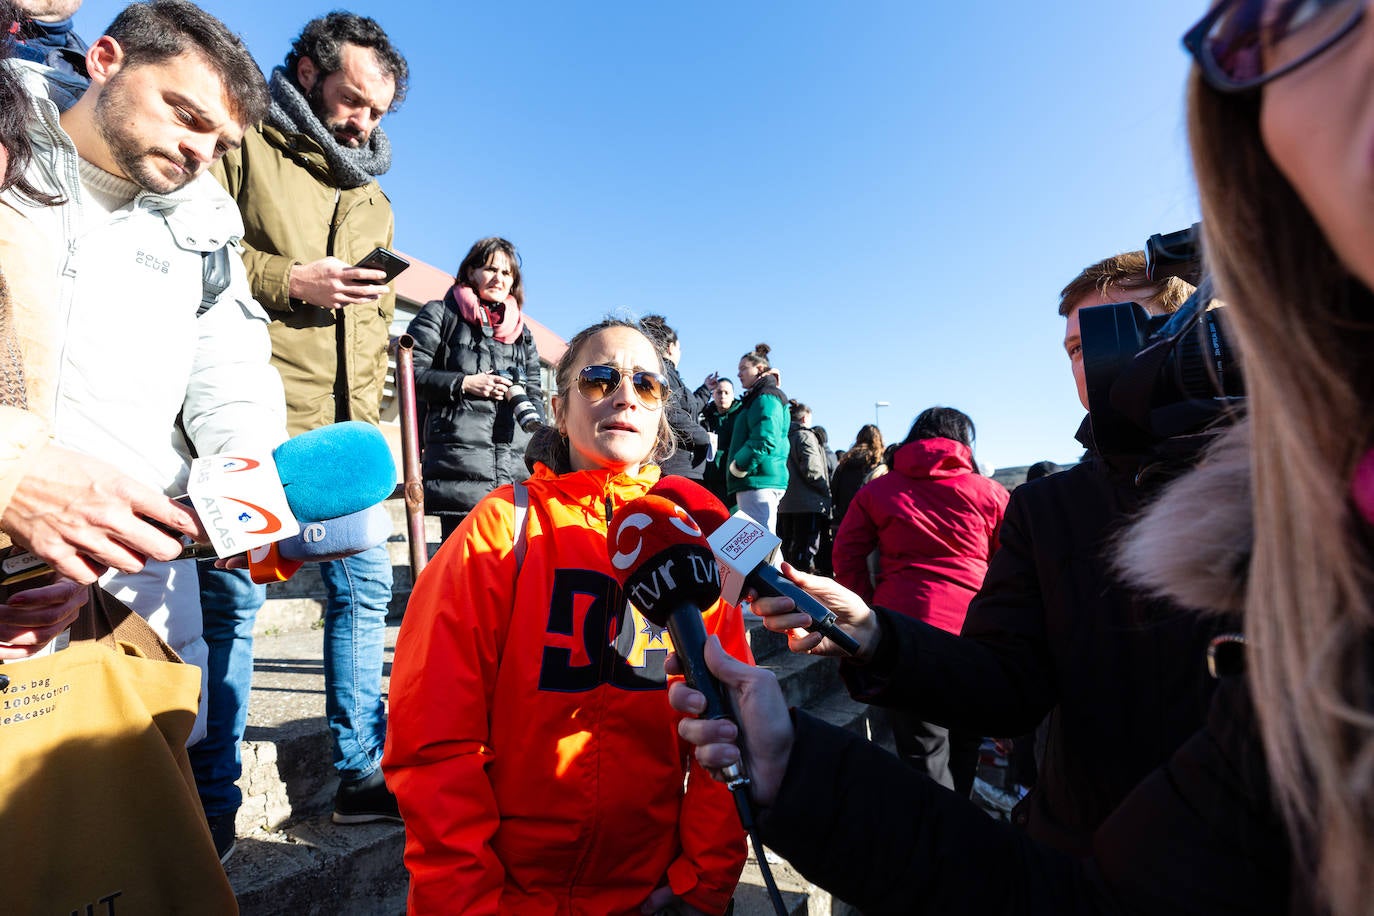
(1193, 544)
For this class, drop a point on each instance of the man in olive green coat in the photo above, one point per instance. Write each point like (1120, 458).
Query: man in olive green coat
(305, 181)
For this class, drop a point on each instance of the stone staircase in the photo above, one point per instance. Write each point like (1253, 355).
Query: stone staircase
(292, 859)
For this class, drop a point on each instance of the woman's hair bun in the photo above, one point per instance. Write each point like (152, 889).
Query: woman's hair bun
(762, 349)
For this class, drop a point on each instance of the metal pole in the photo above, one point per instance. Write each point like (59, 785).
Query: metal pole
(410, 454)
(876, 405)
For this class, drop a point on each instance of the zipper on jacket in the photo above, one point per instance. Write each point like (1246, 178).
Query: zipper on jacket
(63, 158)
(333, 225)
(608, 509)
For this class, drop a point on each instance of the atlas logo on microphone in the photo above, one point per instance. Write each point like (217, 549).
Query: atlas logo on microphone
(270, 524)
(240, 501)
(230, 464)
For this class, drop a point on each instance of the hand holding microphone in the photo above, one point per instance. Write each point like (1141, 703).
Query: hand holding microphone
(669, 572)
(853, 620)
(82, 516)
(764, 733)
(324, 474)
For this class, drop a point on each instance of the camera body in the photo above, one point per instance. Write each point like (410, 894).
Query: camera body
(1153, 378)
(526, 412)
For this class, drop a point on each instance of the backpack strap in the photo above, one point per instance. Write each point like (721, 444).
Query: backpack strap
(522, 515)
(215, 276)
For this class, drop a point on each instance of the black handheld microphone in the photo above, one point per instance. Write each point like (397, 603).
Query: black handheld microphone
(669, 571)
(663, 562)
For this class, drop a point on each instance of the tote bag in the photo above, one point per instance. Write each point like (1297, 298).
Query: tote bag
(98, 807)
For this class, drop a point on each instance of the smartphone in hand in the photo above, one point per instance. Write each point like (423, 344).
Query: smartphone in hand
(385, 260)
(21, 570)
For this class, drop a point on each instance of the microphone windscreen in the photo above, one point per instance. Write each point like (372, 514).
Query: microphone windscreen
(661, 558)
(335, 470)
(336, 538)
(701, 504)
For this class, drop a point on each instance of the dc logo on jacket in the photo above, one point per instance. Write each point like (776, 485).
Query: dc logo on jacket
(595, 636)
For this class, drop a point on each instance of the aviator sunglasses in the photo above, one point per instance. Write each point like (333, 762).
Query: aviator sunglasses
(597, 382)
(1243, 44)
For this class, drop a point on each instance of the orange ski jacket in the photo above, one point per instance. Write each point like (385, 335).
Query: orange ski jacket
(530, 744)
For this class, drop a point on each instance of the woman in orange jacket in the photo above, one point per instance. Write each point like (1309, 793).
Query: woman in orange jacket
(531, 746)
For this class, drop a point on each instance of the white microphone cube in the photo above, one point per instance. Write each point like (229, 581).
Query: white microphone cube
(740, 545)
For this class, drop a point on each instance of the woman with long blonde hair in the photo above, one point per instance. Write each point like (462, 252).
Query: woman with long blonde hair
(1280, 118)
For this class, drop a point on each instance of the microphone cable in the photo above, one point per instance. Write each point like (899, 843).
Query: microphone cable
(738, 785)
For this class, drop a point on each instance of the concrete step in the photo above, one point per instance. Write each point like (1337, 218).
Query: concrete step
(290, 857)
(804, 679)
(314, 868)
(751, 896)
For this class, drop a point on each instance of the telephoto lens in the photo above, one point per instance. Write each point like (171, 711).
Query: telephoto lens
(526, 413)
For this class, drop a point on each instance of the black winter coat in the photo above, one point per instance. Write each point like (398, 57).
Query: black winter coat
(691, 438)
(471, 445)
(1050, 632)
(1198, 836)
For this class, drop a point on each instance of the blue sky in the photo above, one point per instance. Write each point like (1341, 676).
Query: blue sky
(890, 194)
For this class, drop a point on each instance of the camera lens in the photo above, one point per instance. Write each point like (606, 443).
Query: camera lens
(526, 414)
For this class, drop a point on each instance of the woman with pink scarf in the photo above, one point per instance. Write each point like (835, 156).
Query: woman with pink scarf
(475, 363)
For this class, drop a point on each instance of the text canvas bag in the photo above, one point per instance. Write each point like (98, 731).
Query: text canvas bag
(98, 808)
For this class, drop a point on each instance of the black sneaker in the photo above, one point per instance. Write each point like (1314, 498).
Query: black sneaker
(365, 801)
(222, 831)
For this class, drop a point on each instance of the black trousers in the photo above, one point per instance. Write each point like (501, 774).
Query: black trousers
(949, 758)
(801, 537)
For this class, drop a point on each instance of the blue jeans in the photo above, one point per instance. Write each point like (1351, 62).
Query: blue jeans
(358, 591)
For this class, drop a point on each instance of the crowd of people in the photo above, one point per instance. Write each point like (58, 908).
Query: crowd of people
(159, 301)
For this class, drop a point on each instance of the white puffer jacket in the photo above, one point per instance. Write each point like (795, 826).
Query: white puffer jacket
(133, 354)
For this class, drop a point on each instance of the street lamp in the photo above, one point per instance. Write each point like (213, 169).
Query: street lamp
(876, 405)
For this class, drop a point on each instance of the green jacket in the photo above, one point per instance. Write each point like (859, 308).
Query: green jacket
(294, 214)
(758, 440)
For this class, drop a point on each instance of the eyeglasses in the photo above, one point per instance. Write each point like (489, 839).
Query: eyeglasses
(1242, 44)
(595, 383)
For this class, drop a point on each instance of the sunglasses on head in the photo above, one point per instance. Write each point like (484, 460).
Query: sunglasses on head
(1243, 44)
(598, 382)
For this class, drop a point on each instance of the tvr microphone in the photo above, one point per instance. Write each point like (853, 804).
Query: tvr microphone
(743, 546)
(662, 561)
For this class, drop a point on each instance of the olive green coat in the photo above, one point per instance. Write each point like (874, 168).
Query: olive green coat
(294, 214)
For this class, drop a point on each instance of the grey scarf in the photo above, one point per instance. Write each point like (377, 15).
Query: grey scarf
(352, 168)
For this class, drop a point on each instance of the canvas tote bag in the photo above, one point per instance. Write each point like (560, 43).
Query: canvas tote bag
(98, 808)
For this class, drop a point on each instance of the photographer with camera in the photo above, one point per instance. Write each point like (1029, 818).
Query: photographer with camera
(1052, 632)
(477, 373)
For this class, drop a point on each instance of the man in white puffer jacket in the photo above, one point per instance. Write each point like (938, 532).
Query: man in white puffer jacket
(146, 375)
